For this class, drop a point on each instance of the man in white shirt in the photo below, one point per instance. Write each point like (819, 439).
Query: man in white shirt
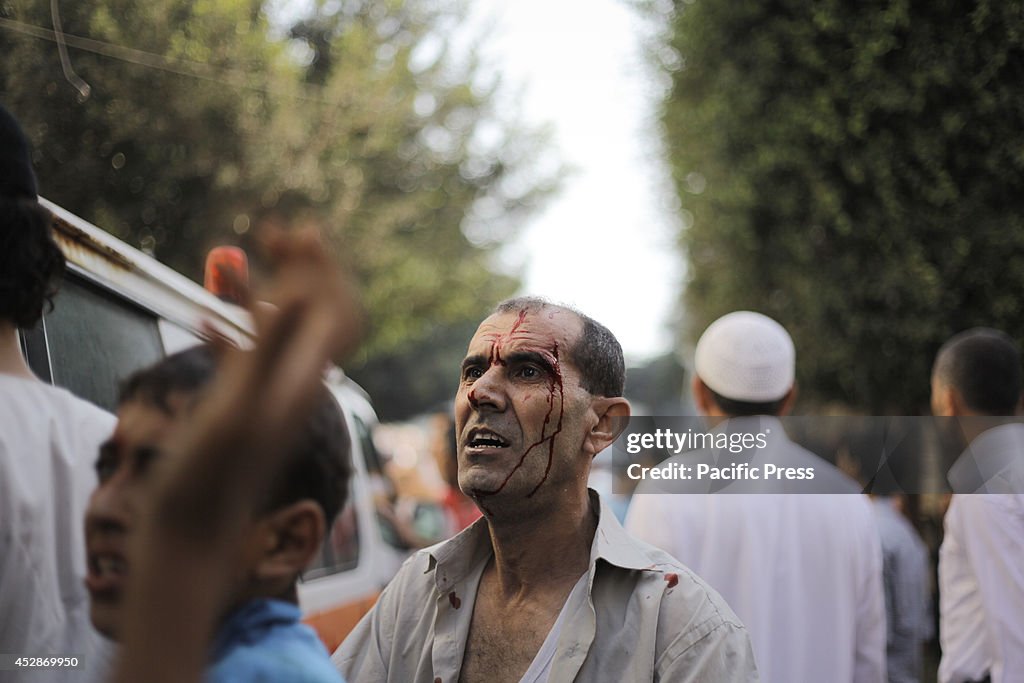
(977, 376)
(907, 581)
(547, 586)
(803, 571)
(48, 442)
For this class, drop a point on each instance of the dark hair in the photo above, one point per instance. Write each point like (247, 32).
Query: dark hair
(185, 373)
(734, 408)
(319, 465)
(31, 263)
(983, 365)
(597, 353)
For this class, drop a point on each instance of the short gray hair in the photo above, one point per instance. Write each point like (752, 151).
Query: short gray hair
(597, 353)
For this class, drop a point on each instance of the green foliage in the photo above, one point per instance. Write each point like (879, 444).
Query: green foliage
(429, 369)
(852, 169)
(151, 155)
(206, 120)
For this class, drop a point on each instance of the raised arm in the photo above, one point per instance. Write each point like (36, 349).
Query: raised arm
(222, 462)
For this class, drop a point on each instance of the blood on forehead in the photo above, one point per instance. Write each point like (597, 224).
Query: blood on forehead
(536, 330)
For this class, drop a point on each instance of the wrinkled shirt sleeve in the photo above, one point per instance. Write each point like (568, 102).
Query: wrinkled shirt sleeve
(724, 655)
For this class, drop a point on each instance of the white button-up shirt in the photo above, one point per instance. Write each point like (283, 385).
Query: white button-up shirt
(642, 617)
(803, 571)
(981, 565)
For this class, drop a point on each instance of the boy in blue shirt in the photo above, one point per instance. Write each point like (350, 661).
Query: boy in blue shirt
(258, 636)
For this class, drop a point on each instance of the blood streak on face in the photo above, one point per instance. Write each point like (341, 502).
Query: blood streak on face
(556, 385)
(540, 340)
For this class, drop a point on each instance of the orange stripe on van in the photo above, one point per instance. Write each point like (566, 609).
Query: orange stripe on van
(334, 624)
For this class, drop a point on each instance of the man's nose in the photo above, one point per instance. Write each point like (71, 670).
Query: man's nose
(109, 510)
(488, 392)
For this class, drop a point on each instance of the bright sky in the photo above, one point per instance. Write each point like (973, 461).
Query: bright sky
(605, 243)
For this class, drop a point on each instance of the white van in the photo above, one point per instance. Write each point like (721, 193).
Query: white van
(119, 310)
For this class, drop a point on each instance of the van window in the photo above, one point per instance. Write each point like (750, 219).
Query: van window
(380, 484)
(175, 337)
(96, 339)
(370, 454)
(33, 346)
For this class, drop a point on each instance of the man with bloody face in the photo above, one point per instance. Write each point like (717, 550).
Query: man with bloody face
(547, 586)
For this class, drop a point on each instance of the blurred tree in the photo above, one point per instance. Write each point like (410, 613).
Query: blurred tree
(152, 155)
(410, 163)
(851, 169)
(208, 118)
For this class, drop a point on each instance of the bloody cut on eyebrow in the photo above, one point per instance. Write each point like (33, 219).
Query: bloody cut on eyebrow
(542, 359)
(545, 360)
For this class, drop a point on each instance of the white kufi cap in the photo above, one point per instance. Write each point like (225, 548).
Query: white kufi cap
(746, 356)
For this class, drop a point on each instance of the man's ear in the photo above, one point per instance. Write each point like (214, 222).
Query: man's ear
(788, 401)
(292, 536)
(959, 405)
(612, 418)
(703, 399)
(946, 401)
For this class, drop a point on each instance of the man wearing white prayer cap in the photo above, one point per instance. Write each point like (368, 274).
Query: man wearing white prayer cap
(803, 571)
(745, 365)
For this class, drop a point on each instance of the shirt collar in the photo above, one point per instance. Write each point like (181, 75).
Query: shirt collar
(455, 559)
(248, 623)
(611, 542)
(993, 453)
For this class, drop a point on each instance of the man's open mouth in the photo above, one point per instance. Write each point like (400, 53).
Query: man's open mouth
(107, 565)
(485, 438)
(106, 573)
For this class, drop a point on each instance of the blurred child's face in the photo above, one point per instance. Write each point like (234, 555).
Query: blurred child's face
(122, 468)
(112, 519)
